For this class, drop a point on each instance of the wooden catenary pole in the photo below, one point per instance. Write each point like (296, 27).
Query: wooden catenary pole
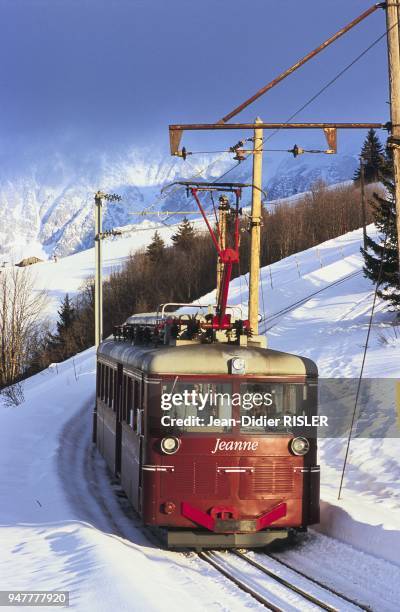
(392, 18)
(255, 229)
(98, 285)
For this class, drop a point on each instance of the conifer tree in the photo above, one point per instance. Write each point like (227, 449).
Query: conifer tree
(372, 155)
(183, 239)
(155, 250)
(66, 316)
(62, 344)
(384, 214)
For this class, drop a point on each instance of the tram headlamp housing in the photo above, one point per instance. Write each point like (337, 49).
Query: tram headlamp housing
(169, 446)
(299, 446)
(238, 365)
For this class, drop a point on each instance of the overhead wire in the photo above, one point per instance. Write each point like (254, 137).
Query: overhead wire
(312, 99)
(335, 78)
(228, 151)
(214, 209)
(360, 378)
(320, 92)
(262, 293)
(265, 139)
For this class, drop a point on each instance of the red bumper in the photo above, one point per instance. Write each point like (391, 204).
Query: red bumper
(226, 520)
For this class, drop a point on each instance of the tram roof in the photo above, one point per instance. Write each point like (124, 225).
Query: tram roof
(206, 359)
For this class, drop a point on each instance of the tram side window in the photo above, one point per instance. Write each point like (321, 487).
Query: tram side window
(114, 391)
(103, 381)
(101, 395)
(106, 376)
(110, 388)
(132, 403)
(136, 394)
(98, 379)
(124, 396)
(106, 385)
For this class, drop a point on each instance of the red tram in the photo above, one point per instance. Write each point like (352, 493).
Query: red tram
(229, 479)
(200, 421)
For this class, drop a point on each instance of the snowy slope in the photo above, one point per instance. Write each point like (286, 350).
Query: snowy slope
(48, 207)
(339, 313)
(69, 273)
(61, 526)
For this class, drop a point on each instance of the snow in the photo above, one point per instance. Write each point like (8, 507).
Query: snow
(364, 578)
(68, 274)
(46, 206)
(297, 175)
(61, 524)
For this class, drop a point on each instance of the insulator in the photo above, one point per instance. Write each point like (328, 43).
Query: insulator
(237, 146)
(296, 150)
(240, 155)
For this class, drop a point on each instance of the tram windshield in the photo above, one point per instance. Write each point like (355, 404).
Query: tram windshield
(219, 407)
(203, 407)
(269, 407)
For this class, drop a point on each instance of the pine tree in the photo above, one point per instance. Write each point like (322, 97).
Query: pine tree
(61, 345)
(384, 214)
(66, 316)
(372, 155)
(155, 250)
(183, 239)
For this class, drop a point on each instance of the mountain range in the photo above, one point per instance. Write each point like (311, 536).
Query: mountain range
(48, 208)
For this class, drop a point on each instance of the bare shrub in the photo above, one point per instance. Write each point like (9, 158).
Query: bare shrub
(13, 395)
(21, 320)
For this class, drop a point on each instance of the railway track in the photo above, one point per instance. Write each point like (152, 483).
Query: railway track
(265, 323)
(94, 473)
(270, 581)
(276, 585)
(318, 582)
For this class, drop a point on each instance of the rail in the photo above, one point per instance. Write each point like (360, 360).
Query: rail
(326, 599)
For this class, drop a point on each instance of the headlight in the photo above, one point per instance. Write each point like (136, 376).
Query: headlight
(300, 446)
(169, 446)
(238, 365)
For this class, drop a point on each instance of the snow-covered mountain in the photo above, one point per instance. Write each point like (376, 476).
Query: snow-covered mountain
(48, 208)
(297, 175)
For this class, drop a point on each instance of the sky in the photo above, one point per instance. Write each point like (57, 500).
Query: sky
(84, 76)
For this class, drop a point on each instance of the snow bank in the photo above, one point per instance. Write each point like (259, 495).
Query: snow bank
(365, 525)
